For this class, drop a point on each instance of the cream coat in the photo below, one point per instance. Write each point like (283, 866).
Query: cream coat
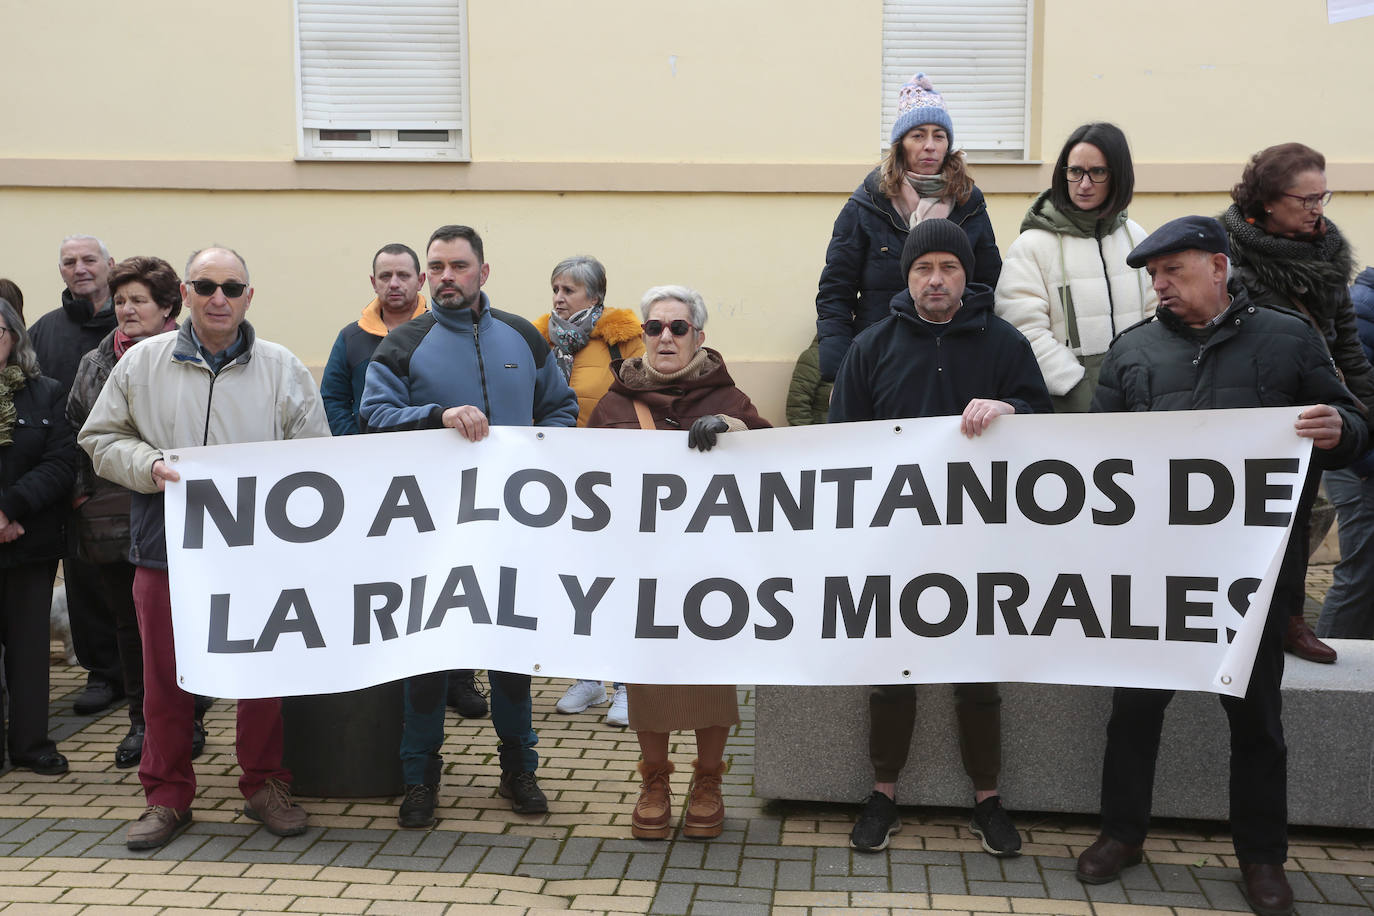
(1040, 266)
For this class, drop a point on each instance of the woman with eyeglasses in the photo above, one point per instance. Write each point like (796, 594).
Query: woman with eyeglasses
(1288, 255)
(586, 338)
(1065, 283)
(678, 384)
(37, 466)
(922, 176)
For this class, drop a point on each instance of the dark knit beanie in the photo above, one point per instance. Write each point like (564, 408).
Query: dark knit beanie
(937, 235)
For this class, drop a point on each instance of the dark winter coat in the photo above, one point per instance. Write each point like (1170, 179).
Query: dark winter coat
(36, 473)
(905, 366)
(1255, 357)
(675, 405)
(102, 520)
(61, 337)
(1362, 298)
(863, 268)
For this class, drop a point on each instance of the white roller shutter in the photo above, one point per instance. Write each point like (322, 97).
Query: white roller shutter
(977, 54)
(382, 65)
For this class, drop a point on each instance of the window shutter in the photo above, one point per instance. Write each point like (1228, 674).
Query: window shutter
(976, 54)
(370, 66)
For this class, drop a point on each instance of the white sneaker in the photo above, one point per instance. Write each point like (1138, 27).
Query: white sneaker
(581, 695)
(619, 714)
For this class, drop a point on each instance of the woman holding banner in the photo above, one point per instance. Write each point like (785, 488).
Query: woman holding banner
(678, 384)
(586, 338)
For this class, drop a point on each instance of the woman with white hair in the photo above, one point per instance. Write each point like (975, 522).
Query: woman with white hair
(678, 384)
(37, 468)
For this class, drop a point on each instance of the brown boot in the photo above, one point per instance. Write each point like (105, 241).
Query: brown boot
(653, 817)
(705, 816)
(1302, 642)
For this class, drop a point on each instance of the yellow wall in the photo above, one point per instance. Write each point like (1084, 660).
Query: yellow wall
(709, 143)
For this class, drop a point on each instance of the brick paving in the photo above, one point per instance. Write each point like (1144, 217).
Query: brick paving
(62, 843)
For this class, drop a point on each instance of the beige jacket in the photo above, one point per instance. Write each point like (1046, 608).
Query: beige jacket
(162, 395)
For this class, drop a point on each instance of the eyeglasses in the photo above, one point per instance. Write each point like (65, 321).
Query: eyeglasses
(653, 327)
(1097, 174)
(232, 289)
(1312, 201)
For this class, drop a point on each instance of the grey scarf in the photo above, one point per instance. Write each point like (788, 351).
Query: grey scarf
(571, 334)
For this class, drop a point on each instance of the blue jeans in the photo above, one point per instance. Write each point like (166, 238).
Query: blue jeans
(1348, 612)
(512, 715)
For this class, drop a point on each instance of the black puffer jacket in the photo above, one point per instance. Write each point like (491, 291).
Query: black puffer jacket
(906, 367)
(102, 520)
(61, 337)
(863, 265)
(36, 474)
(1256, 357)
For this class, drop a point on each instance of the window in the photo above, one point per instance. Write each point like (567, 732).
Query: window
(382, 80)
(977, 54)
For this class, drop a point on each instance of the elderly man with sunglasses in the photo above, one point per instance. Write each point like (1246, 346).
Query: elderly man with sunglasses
(159, 397)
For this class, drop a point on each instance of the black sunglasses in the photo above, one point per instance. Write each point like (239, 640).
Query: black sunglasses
(233, 289)
(653, 327)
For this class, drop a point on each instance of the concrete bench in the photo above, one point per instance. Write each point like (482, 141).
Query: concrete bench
(811, 744)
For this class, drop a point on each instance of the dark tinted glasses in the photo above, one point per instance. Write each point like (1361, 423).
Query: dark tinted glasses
(653, 327)
(232, 289)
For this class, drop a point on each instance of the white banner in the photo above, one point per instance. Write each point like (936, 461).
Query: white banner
(1109, 549)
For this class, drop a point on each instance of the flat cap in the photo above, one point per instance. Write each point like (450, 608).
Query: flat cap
(1187, 232)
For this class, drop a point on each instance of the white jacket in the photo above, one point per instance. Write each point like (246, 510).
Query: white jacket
(1054, 289)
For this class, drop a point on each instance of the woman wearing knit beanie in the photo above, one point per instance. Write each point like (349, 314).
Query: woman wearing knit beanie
(1065, 283)
(921, 177)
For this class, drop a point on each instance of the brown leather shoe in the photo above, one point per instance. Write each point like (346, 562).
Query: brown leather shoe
(653, 817)
(705, 817)
(156, 827)
(1267, 889)
(272, 807)
(1302, 642)
(1103, 860)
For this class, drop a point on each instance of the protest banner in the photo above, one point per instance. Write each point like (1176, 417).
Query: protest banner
(1109, 549)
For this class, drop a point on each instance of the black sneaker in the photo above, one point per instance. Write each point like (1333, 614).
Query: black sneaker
(465, 697)
(524, 793)
(876, 824)
(991, 824)
(198, 736)
(417, 808)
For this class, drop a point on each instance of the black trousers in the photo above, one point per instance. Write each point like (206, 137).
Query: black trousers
(93, 620)
(1290, 589)
(1259, 758)
(25, 599)
(117, 580)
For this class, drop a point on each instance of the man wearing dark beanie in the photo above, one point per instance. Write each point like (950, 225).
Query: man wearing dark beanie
(940, 352)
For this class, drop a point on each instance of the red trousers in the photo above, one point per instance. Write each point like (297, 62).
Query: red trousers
(165, 770)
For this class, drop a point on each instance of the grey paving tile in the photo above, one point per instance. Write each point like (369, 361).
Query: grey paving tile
(496, 839)
(1332, 909)
(722, 855)
(181, 847)
(757, 873)
(462, 858)
(27, 830)
(686, 855)
(79, 844)
(909, 878)
(606, 865)
(501, 860)
(1020, 868)
(850, 883)
(406, 863)
(356, 855)
(219, 828)
(946, 879)
(925, 857)
(1304, 889)
(1334, 888)
(831, 861)
(402, 843)
(777, 852)
(80, 824)
(44, 843)
(645, 866)
(718, 908)
(979, 866)
(1007, 888)
(266, 856)
(542, 852)
(578, 851)
(350, 835)
(1176, 879)
(1139, 878)
(1101, 893)
(793, 876)
(1062, 885)
(698, 876)
(764, 830)
(321, 853)
(736, 894)
(1167, 898)
(672, 899)
(1226, 895)
(554, 872)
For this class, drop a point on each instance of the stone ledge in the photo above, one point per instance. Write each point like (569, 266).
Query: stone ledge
(811, 744)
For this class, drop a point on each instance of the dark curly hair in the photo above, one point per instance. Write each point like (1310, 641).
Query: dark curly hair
(1270, 172)
(156, 274)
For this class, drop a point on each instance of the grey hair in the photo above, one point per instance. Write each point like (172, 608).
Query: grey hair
(104, 252)
(197, 253)
(696, 306)
(21, 353)
(585, 270)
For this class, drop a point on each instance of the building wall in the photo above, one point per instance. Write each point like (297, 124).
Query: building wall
(709, 143)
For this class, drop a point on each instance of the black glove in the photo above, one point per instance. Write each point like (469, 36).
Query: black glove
(702, 435)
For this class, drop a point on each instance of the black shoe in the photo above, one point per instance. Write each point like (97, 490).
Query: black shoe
(991, 824)
(97, 696)
(50, 764)
(876, 824)
(524, 793)
(417, 808)
(130, 750)
(198, 736)
(465, 697)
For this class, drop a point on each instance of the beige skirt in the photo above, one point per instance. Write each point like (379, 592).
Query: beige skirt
(681, 707)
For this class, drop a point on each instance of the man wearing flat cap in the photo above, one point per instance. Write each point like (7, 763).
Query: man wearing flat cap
(1207, 348)
(940, 352)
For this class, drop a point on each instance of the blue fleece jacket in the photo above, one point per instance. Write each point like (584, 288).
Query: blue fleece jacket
(495, 361)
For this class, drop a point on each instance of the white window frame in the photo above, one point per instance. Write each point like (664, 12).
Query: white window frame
(960, 35)
(322, 108)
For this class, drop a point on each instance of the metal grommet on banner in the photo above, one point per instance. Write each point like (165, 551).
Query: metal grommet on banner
(538, 435)
(536, 667)
(906, 674)
(173, 457)
(896, 429)
(1226, 679)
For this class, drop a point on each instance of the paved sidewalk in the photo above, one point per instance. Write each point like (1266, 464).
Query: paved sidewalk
(62, 844)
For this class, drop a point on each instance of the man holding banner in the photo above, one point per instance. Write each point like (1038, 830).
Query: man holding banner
(941, 352)
(158, 397)
(465, 366)
(1209, 349)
